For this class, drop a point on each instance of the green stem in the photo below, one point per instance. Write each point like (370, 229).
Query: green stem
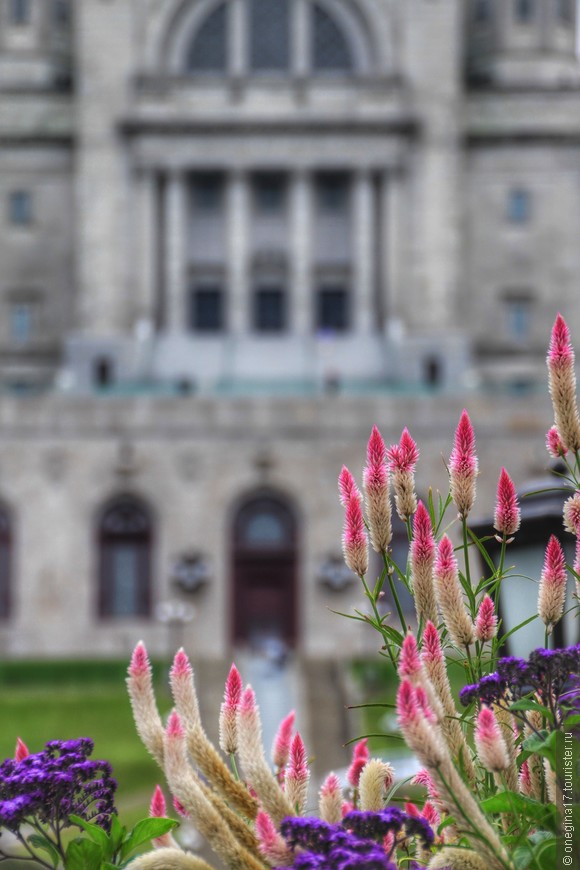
(466, 552)
(234, 766)
(395, 596)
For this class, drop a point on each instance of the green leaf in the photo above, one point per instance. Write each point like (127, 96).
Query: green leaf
(39, 841)
(530, 704)
(517, 627)
(96, 833)
(484, 554)
(543, 746)
(145, 831)
(544, 815)
(83, 854)
(118, 834)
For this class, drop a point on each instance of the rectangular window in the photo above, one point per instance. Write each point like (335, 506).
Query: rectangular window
(270, 310)
(61, 13)
(565, 11)
(21, 323)
(524, 10)
(270, 193)
(207, 304)
(20, 208)
(270, 35)
(482, 11)
(519, 206)
(208, 192)
(332, 190)
(332, 314)
(20, 12)
(518, 315)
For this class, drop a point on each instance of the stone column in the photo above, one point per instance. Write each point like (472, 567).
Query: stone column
(238, 31)
(391, 245)
(301, 289)
(300, 38)
(144, 266)
(364, 252)
(238, 219)
(176, 220)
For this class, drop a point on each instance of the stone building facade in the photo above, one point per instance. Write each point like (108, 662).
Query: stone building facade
(235, 234)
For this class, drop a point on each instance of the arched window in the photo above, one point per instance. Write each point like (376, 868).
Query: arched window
(208, 51)
(270, 35)
(330, 49)
(125, 546)
(5, 563)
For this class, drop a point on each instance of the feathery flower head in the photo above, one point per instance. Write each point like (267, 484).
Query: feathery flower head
(490, 743)
(347, 486)
(430, 813)
(283, 740)
(270, 842)
(248, 701)
(404, 455)
(432, 650)
(572, 514)
(297, 774)
(233, 689)
(554, 444)
(409, 660)
(360, 756)
(376, 486)
(140, 665)
(450, 595)
(181, 666)
(407, 707)
(552, 592)
(562, 383)
(180, 809)
(330, 800)
(376, 450)
(423, 543)
(525, 779)
(422, 557)
(354, 539)
(331, 785)
(228, 729)
(424, 705)
(507, 512)
(174, 728)
(423, 777)
(376, 779)
(486, 621)
(21, 750)
(463, 466)
(158, 806)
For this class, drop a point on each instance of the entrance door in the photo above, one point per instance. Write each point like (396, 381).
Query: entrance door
(264, 573)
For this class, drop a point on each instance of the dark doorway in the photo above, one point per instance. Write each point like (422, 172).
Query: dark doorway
(264, 572)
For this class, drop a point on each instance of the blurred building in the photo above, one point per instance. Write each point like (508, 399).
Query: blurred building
(235, 234)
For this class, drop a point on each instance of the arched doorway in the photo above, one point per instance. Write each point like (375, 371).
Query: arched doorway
(125, 548)
(264, 572)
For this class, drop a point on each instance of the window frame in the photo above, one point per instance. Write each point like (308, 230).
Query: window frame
(206, 287)
(272, 289)
(326, 289)
(519, 206)
(20, 13)
(142, 541)
(20, 208)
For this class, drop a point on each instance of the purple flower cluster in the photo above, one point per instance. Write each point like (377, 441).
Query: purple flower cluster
(546, 672)
(355, 844)
(51, 785)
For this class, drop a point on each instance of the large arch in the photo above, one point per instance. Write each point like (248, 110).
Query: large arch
(125, 549)
(264, 545)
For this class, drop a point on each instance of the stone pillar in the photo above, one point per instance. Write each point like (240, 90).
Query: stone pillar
(364, 252)
(238, 30)
(176, 220)
(301, 38)
(238, 219)
(301, 289)
(391, 246)
(145, 251)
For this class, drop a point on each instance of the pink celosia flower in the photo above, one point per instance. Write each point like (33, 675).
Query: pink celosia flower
(486, 621)
(430, 813)
(360, 756)
(297, 774)
(228, 731)
(507, 511)
(270, 843)
(525, 780)
(158, 806)
(347, 486)
(376, 486)
(181, 666)
(423, 702)
(330, 800)
(562, 382)
(21, 751)
(432, 649)
(425, 778)
(140, 665)
(402, 460)
(554, 444)
(174, 728)
(283, 740)
(450, 595)
(409, 660)
(572, 514)
(490, 743)
(463, 466)
(331, 785)
(389, 843)
(422, 560)
(354, 539)
(416, 722)
(180, 809)
(347, 807)
(552, 593)
(412, 810)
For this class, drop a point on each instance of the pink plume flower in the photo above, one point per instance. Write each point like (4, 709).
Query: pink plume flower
(430, 813)
(423, 702)
(360, 756)
(412, 810)
(347, 807)
(21, 751)
(181, 666)
(270, 843)
(248, 702)
(560, 351)
(486, 621)
(331, 786)
(463, 466)
(424, 778)
(402, 460)
(450, 595)
(422, 557)
(572, 514)
(354, 539)
(347, 486)
(180, 809)
(140, 665)
(174, 727)
(525, 780)
(404, 455)
(376, 486)
(507, 512)
(283, 740)
(389, 843)
(490, 743)
(158, 806)
(432, 650)
(228, 730)
(554, 443)
(297, 774)
(562, 381)
(423, 543)
(552, 593)
(409, 660)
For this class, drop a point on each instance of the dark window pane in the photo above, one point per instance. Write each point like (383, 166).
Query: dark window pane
(270, 314)
(482, 11)
(333, 309)
(21, 325)
(20, 11)
(20, 208)
(330, 48)
(103, 371)
(208, 192)
(207, 309)
(565, 11)
(208, 51)
(519, 206)
(332, 192)
(524, 10)
(270, 193)
(125, 560)
(270, 34)
(61, 13)
(518, 316)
